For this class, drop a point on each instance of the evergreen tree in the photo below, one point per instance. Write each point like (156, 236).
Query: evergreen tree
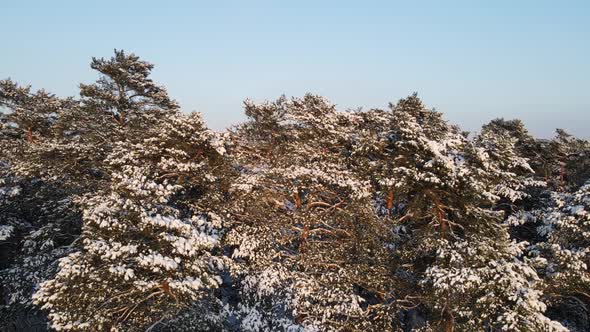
(124, 96)
(506, 164)
(568, 161)
(308, 246)
(38, 218)
(564, 256)
(148, 245)
(455, 249)
(32, 113)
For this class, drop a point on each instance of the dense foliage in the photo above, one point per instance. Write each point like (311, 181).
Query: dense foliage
(118, 212)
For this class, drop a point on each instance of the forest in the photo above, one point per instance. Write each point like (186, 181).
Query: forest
(121, 212)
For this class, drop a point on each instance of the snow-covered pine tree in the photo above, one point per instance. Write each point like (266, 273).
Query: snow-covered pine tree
(125, 95)
(10, 219)
(40, 215)
(453, 246)
(564, 256)
(35, 150)
(568, 159)
(9, 190)
(505, 163)
(515, 162)
(45, 223)
(66, 141)
(39, 148)
(33, 113)
(121, 106)
(369, 152)
(308, 247)
(525, 144)
(149, 244)
(57, 147)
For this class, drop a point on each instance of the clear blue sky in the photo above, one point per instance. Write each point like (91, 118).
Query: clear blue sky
(474, 62)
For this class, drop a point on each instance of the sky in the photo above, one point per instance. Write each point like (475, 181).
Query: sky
(472, 60)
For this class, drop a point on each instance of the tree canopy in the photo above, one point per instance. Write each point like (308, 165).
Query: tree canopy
(120, 212)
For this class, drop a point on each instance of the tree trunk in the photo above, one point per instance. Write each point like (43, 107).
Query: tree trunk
(390, 200)
(297, 200)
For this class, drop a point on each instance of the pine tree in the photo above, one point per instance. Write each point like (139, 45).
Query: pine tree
(124, 94)
(455, 250)
(506, 164)
(32, 113)
(45, 224)
(567, 161)
(40, 147)
(147, 245)
(564, 255)
(308, 246)
(38, 218)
